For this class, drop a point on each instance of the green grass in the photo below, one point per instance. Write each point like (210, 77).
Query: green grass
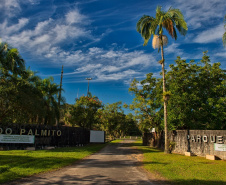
(183, 170)
(116, 141)
(15, 164)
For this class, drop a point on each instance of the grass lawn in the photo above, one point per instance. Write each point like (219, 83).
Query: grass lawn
(183, 170)
(15, 164)
(116, 141)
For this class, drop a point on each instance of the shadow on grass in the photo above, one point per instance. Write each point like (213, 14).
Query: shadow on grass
(14, 167)
(89, 147)
(144, 149)
(197, 182)
(8, 162)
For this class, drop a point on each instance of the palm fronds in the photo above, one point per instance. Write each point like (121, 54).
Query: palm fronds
(170, 21)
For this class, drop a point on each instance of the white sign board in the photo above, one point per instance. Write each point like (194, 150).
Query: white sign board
(97, 136)
(220, 147)
(4, 138)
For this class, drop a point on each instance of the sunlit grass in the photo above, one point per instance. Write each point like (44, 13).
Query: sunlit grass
(15, 164)
(180, 169)
(116, 141)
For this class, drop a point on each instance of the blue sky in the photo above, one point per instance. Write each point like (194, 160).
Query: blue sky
(98, 39)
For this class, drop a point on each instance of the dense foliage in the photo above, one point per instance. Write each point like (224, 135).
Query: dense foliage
(89, 112)
(83, 112)
(196, 97)
(24, 97)
(113, 120)
(147, 101)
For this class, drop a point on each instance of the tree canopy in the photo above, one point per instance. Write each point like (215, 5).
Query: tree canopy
(25, 97)
(83, 112)
(197, 97)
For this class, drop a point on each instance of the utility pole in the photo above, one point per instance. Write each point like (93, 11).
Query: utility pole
(59, 98)
(88, 85)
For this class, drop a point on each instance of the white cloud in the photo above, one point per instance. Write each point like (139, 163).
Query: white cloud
(173, 49)
(221, 54)
(42, 26)
(211, 35)
(46, 34)
(74, 17)
(95, 51)
(48, 38)
(201, 12)
(7, 30)
(118, 65)
(124, 75)
(122, 65)
(89, 67)
(11, 8)
(140, 60)
(110, 69)
(41, 39)
(110, 54)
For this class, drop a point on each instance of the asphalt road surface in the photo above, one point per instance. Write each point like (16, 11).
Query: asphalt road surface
(115, 164)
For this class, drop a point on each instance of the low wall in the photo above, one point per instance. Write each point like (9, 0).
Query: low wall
(45, 135)
(198, 142)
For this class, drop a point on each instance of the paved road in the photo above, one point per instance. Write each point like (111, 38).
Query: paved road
(115, 164)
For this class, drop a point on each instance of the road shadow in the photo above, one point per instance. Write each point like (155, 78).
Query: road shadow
(104, 180)
(67, 180)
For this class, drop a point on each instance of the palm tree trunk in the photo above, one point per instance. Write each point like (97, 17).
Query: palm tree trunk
(165, 101)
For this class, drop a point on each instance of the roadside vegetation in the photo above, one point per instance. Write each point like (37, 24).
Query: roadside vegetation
(15, 164)
(191, 95)
(25, 98)
(196, 99)
(182, 170)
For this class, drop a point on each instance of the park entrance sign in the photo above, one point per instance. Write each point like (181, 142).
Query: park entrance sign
(20, 136)
(5, 138)
(196, 142)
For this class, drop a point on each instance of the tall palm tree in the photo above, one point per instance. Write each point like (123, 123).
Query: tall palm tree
(147, 26)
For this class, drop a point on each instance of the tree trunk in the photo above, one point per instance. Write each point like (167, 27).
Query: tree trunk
(165, 101)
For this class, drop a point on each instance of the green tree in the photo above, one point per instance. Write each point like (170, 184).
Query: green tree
(20, 100)
(131, 126)
(198, 95)
(50, 91)
(147, 102)
(147, 26)
(113, 119)
(24, 97)
(83, 112)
